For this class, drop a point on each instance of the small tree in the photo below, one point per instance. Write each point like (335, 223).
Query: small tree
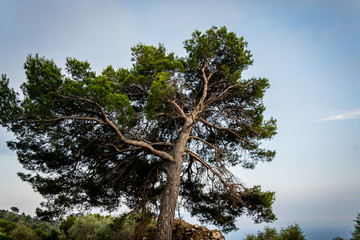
(6, 227)
(355, 235)
(66, 224)
(267, 234)
(168, 127)
(292, 232)
(22, 232)
(92, 226)
(14, 209)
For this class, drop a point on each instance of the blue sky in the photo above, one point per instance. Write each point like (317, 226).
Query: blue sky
(309, 50)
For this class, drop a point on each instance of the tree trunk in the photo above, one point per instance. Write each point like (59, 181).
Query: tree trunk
(168, 203)
(170, 194)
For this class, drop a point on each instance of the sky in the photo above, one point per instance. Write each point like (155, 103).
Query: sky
(309, 51)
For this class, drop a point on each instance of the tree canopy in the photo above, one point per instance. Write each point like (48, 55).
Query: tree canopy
(167, 127)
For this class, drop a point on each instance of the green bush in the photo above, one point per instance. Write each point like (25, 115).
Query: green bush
(267, 234)
(91, 227)
(66, 224)
(6, 227)
(4, 236)
(355, 235)
(22, 232)
(292, 232)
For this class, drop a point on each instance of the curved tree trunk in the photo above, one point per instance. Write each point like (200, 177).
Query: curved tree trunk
(170, 195)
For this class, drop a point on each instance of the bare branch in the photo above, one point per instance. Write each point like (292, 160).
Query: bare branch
(212, 146)
(215, 98)
(229, 183)
(228, 130)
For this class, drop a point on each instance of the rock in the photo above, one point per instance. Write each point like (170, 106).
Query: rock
(185, 231)
(216, 235)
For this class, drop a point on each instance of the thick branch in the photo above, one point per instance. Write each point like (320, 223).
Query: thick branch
(206, 80)
(205, 88)
(177, 108)
(161, 154)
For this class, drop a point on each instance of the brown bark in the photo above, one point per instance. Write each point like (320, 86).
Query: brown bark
(168, 203)
(170, 195)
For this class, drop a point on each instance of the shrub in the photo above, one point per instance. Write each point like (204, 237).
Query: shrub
(292, 232)
(92, 226)
(22, 232)
(6, 227)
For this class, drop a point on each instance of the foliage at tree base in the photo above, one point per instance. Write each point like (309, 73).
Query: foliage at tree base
(186, 231)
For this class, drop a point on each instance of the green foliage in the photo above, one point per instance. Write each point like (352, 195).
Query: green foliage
(14, 209)
(27, 220)
(22, 232)
(92, 226)
(259, 204)
(132, 226)
(159, 92)
(40, 234)
(220, 206)
(4, 236)
(292, 232)
(355, 235)
(150, 60)
(224, 48)
(66, 224)
(95, 226)
(102, 140)
(9, 222)
(9, 104)
(267, 234)
(6, 226)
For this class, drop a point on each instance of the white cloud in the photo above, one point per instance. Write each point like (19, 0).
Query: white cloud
(347, 115)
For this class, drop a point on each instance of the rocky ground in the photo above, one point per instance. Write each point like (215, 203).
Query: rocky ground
(186, 231)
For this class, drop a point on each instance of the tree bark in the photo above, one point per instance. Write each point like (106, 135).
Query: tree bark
(168, 203)
(170, 195)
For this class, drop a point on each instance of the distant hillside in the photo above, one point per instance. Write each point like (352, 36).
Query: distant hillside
(31, 222)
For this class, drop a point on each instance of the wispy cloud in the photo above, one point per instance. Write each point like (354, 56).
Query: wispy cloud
(347, 115)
